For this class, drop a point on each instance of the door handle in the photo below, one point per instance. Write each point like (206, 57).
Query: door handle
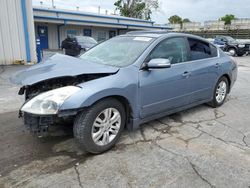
(186, 74)
(217, 65)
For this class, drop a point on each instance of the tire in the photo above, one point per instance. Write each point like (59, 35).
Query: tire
(232, 51)
(216, 102)
(84, 128)
(240, 55)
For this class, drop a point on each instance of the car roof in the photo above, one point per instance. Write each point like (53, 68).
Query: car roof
(162, 33)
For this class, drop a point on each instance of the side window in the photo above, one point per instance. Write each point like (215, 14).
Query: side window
(173, 49)
(199, 49)
(214, 51)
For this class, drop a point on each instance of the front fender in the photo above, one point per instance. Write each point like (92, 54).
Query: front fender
(122, 84)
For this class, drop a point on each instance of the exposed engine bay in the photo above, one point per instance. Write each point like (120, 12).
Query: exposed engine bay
(46, 85)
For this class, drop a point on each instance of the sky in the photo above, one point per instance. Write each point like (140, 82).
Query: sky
(195, 10)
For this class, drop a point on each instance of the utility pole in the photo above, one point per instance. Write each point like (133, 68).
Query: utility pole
(53, 5)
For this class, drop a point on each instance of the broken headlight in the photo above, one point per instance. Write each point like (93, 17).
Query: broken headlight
(49, 102)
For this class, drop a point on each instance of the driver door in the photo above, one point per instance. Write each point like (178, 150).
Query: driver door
(169, 88)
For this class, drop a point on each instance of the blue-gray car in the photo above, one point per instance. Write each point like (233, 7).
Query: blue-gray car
(124, 82)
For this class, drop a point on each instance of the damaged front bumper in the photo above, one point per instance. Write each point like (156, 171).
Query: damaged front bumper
(42, 125)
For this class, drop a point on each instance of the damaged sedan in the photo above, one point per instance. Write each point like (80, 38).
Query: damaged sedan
(124, 82)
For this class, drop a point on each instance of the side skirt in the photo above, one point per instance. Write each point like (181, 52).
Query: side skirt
(137, 122)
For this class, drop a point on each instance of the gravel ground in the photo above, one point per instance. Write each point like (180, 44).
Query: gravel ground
(200, 147)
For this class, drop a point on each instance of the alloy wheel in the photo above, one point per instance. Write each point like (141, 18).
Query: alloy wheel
(221, 91)
(106, 126)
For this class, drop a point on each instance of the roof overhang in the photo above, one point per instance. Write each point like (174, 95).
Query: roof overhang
(75, 18)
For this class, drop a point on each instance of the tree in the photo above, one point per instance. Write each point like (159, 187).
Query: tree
(136, 8)
(175, 19)
(228, 18)
(185, 20)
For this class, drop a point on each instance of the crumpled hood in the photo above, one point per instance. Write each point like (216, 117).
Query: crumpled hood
(60, 65)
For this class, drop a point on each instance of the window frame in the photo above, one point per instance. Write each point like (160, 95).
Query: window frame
(165, 39)
(202, 41)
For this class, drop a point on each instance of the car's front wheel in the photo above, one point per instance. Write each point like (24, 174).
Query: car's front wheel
(99, 127)
(232, 51)
(220, 92)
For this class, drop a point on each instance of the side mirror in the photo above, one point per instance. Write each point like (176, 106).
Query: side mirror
(158, 63)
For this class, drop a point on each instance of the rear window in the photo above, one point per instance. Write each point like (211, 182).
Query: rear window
(201, 49)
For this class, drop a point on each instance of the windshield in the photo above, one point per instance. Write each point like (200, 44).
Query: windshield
(118, 51)
(85, 40)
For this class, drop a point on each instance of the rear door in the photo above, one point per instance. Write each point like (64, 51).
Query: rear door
(206, 68)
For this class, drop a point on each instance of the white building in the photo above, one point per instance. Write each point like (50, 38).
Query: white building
(21, 24)
(176, 27)
(191, 26)
(17, 36)
(214, 25)
(243, 23)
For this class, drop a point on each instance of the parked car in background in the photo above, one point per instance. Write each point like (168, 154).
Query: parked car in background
(229, 44)
(74, 45)
(124, 82)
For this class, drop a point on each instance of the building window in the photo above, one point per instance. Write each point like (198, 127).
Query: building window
(112, 34)
(71, 32)
(87, 32)
(101, 36)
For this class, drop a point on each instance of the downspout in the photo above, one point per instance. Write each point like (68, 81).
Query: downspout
(58, 33)
(26, 31)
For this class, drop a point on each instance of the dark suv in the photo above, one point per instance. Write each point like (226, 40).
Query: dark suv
(73, 45)
(229, 44)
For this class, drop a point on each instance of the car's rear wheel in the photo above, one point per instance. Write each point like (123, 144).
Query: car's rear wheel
(99, 127)
(220, 92)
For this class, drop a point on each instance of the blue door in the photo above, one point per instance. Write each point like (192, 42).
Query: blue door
(42, 32)
(166, 89)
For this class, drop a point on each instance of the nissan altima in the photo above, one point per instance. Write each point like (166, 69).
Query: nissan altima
(122, 83)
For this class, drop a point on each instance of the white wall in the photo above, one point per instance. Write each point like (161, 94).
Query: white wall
(12, 40)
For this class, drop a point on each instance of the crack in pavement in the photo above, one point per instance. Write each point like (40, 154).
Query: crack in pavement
(243, 140)
(78, 175)
(191, 164)
(198, 174)
(217, 117)
(220, 139)
(142, 133)
(187, 141)
(240, 132)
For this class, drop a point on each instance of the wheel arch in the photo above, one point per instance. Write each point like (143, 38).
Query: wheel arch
(126, 104)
